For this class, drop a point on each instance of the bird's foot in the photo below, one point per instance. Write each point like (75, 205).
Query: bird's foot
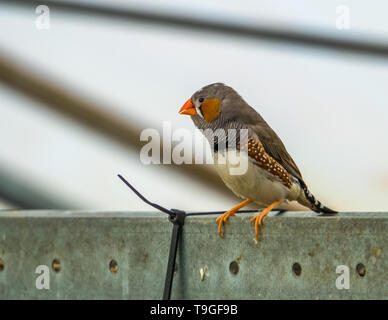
(258, 219)
(224, 219)
(225, 216)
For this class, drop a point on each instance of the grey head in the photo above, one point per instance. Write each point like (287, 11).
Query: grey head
(217, 108)
(220, 106)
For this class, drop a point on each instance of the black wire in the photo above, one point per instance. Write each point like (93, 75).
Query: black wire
(155, 205)
(173, 214)
(216, 212)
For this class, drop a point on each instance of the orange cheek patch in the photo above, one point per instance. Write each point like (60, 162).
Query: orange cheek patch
(211, 108)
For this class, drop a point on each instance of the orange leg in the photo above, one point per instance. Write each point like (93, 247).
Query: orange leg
(259, 218)
(225, 216)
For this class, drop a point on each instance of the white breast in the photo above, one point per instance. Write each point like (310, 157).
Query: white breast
(255, 183)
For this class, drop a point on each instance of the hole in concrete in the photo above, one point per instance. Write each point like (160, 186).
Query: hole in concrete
(296, 269)
(1, 265)
(361, 270)
(233, 267)
(113, 266)
(56, 265)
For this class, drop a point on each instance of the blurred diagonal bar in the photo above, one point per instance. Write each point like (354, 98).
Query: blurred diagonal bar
(189, 22)
(25, 196)
(92, 115)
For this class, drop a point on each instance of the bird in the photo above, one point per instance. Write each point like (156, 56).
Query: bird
(271, 177)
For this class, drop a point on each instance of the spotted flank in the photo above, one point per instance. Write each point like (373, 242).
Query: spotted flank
(265, 161)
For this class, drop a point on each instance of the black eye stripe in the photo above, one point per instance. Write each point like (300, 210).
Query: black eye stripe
(200, 109)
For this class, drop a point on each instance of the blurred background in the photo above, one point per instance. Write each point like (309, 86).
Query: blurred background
(75, 97)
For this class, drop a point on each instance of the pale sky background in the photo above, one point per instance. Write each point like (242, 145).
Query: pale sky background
(329, 108)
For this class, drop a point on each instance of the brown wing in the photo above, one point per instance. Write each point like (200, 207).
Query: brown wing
(266, 162)
(269, 139)
(276, 149)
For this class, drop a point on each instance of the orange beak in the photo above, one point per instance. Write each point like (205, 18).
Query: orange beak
(188, 108)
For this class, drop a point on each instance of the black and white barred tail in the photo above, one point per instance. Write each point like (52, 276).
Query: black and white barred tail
(313, 203)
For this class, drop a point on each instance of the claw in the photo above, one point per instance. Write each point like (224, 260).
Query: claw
(258, 219)
(223, 219)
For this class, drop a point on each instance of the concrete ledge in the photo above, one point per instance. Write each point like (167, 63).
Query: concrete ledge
(236, 267)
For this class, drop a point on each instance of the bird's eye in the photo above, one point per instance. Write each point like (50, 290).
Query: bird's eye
(201, 100)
